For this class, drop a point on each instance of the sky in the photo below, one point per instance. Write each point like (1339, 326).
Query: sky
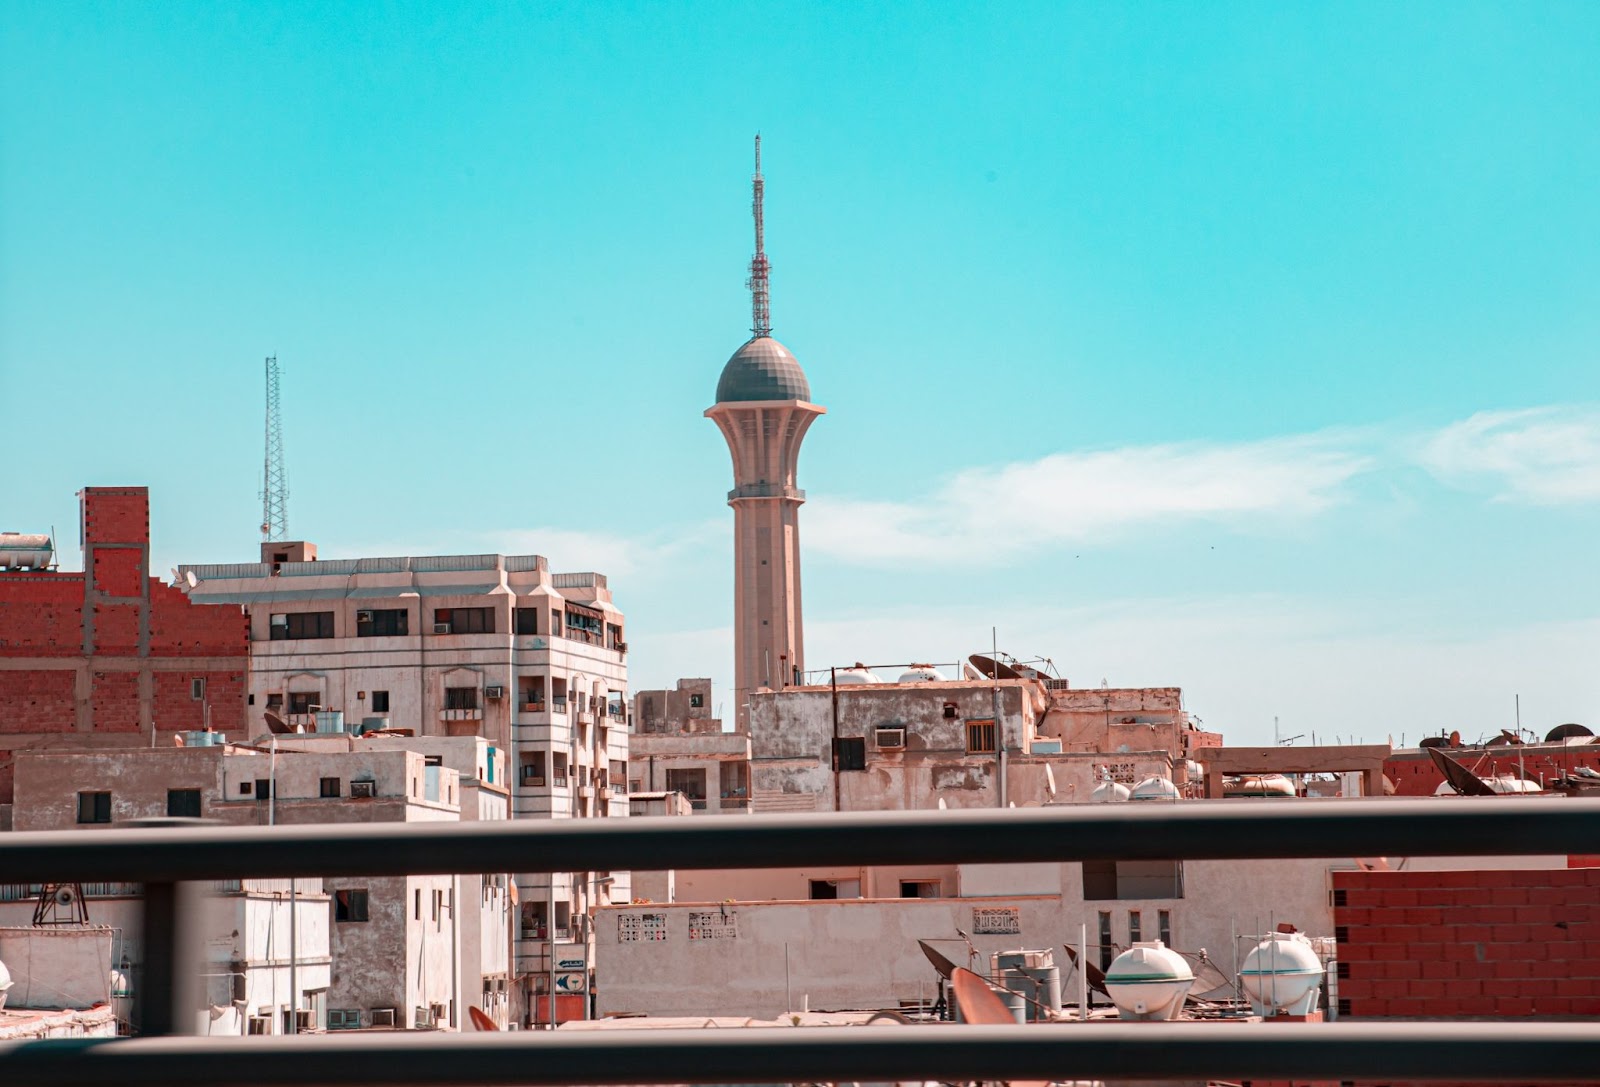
(1247, 348)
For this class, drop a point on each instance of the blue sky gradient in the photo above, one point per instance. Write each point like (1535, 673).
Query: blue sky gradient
(1245, 347)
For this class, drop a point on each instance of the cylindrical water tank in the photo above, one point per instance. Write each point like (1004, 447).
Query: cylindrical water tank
(920, 673)
(25, 551)
(1282, 975)
(1149, 981)
(1110, 792)
(1155, 787)
(859, 674)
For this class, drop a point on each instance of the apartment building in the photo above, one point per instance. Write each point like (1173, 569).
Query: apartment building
(490, 646)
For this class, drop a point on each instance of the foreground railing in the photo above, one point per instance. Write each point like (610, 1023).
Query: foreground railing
(168, 857)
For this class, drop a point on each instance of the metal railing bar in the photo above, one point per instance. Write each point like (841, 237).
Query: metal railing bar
(1217, 830)
(1520, 1052)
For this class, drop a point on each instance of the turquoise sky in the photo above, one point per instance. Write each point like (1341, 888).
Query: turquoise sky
(1250, 348)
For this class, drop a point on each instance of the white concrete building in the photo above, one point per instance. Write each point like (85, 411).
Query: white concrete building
(402, 952)
(490, 646)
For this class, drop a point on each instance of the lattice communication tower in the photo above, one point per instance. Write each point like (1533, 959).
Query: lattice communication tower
(760, 270)
(274, 482)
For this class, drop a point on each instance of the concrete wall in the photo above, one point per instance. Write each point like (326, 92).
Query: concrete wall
(57, 967)
(863, 953)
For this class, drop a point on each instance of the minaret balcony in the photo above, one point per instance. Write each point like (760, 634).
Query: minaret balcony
(766, 490)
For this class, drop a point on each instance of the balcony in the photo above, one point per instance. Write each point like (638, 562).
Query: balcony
(473, 714)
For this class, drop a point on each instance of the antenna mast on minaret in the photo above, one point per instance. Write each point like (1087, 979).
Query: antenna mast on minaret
(275, 484)
(760, 313)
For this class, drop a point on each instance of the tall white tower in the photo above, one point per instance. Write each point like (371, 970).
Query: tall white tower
(764, 409)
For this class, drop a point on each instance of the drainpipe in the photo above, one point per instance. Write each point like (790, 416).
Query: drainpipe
(833, 755)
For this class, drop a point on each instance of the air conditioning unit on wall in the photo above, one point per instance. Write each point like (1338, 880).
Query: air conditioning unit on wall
(494, 691)
(889, 738)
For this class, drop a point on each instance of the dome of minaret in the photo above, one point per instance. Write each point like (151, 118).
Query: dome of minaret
(763, 369)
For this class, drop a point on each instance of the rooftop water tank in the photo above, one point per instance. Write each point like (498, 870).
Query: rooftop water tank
(330, 720)
(202, 738)
(1155, 787)
(859, 674)
(1282, 975)
(1110, 792)
(1149, 981)
(920, 673)
(1259, 785)
(25, 551)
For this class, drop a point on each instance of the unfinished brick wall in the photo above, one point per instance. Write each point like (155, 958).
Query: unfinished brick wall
(1512, 944)
(112, 651)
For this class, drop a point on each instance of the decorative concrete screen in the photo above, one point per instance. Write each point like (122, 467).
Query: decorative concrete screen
(633, 928)
(714, 925)
(997, 921)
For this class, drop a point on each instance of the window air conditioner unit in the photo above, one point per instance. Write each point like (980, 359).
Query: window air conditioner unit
(441, 628)
(363, 790)
(363, 617)
(495, 691)
(889, 738)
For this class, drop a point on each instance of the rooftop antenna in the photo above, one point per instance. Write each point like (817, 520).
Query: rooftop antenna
(274, 483)
(760, 270)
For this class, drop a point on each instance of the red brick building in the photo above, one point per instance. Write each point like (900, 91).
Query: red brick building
(110, 656)
(1507, 944)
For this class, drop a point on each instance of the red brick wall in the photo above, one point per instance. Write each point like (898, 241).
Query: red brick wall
(41, 615)
(38, 700)
(1494, 943)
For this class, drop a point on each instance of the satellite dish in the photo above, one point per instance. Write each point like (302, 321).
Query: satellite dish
(945, 967)
(277, 724)
(993, 669)
(1049, 780)
(480, 1020)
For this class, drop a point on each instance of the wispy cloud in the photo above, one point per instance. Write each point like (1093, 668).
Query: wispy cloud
(1064, 497)
(1546, 456)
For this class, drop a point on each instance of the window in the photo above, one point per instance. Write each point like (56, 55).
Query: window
(850, 753)
(330, 787)
(691, 783)
(94, 807)
(263, 788)
(260, 1024)
(1107, 880)
(380, 701)
(382, 622)
(528, 620)
(303, 701)
(919, 888)
(197, 689)
(416, 910)
(183, 803)
(463, 620)
(1164, 926)
(1108, 950)
(246, 788)
(533, 768)
(697, 701)
(829, 889)
(350, 905)
(461, 698)
(301, 624)
(980, 737)
(344, 1018)
(1135, 926)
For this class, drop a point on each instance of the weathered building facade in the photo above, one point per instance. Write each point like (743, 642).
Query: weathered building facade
(489, 646)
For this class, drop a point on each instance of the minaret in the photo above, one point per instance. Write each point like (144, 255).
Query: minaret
(764, 409)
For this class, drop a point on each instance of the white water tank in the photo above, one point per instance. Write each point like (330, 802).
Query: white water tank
(1109, 792)
(920, 673)
(859, 674)
(1149, 981)
(1282, 975)
(1155, 787)
(25, 551)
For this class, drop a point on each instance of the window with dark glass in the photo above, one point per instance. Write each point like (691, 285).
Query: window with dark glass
(303, 701)
(297, 625)
(350, 905)
(183, 803)
(330, 787)
(94, 807)
(380, 701)
(463, 620)
(1108, 950)
(461, 698)
(382, 623)
(850, 753)
(528, 620)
